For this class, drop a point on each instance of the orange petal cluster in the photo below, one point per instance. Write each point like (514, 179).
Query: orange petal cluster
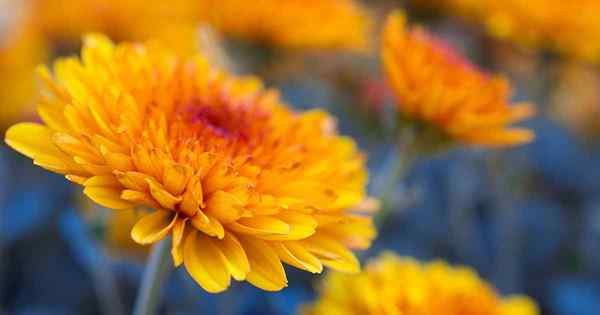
(239, 181)
(571, 28)
(434, 84)
(393, 285)
(300, 24)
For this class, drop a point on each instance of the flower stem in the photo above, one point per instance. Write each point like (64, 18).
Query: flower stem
(403, 159)
(156, 271)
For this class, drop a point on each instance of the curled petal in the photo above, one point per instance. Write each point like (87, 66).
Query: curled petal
(107, 197)
(177, 240)
(332, 253)
(153, 227)
(32, 140)
(103, 181)
(301, 227)
(298, 256)
(163, 197)
(211, 227)
(260, 226)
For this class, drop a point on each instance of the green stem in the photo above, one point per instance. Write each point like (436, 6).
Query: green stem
(406, 154)
(156, 271)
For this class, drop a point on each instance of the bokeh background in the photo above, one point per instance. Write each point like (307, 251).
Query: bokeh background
(527, 219)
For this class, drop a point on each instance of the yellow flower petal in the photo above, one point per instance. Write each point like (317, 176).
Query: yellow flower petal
(163, 197)
(224, 206)
(153, 227)
(260, 226)
(32, 140)
(204, 261)
(213, 227)
(298, 256)
(332, 253)
(103, 181)
(301, 226)
(235, 256)
(177, 240)
(107, 197)
(266, 270)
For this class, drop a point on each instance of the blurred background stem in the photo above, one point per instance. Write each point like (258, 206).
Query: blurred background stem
(397, 166)
(156, 271)
(93, 259)
(506, 262)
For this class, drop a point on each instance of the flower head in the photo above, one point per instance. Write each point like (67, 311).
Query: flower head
(396, 285)
(436, 86)
(339, 24)
(20, 52)
(239, 180)
(571, 28)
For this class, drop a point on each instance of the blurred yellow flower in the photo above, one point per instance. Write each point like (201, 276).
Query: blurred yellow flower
(575, 99)
(327, 24)
(239, 180)
(20, 53)
(66, 20)
(569, 27)
(436, 86)
(392, 285)
(33, 30)
(118, 232)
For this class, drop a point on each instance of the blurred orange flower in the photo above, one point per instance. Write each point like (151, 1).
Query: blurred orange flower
(436, 86)
(569, 27)
(575, 100)
(66, 20)
(337, 24)
(393, 285)
(20, 52)
(240, 181)
(37, 29)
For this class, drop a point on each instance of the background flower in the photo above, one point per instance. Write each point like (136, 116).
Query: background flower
(396, 285)
(337, 24)
(570, 28)
(20, 53)
(436, 86)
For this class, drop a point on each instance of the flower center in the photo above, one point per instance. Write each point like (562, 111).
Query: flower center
(216, 120)
(232, 121)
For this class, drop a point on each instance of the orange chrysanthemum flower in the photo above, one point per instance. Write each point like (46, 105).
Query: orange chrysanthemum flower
(338, 24)
(20, 52)
(436, 86)
(393, 285)
(568, 27)
(239, 180)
